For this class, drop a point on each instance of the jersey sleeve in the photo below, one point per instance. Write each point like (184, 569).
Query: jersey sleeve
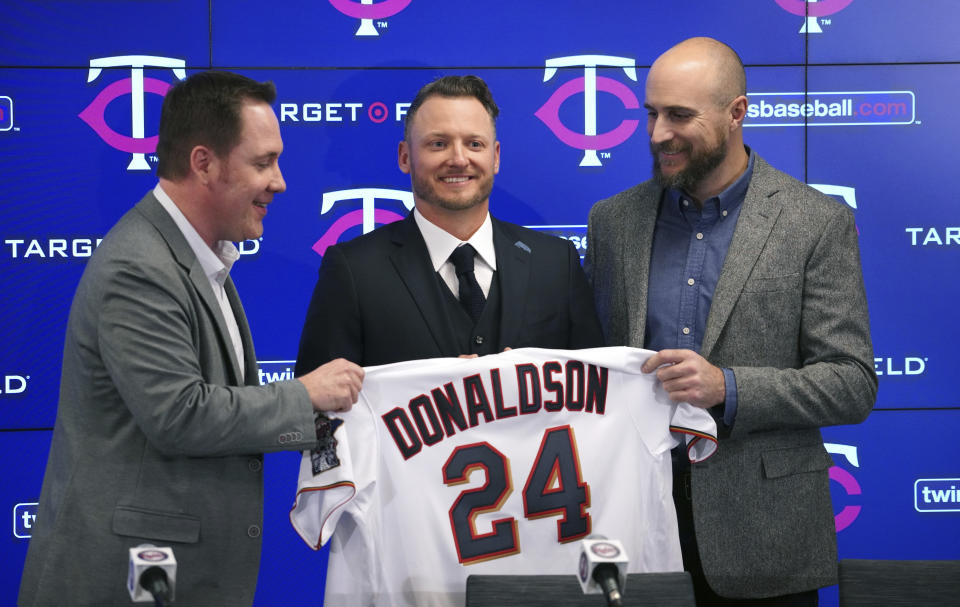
(335, 479)
(698, 428)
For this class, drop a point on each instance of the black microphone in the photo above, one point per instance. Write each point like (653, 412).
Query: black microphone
(152, 575)
(603, 568)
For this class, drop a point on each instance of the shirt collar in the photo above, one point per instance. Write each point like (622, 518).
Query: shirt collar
(728, 199)
(216, 264)
(440, 243)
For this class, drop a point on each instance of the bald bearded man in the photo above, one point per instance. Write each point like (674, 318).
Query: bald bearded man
(748, 285)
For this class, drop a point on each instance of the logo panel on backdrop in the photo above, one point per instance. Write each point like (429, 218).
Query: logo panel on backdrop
(367, 216)
(367, 11)
(590, 141)
(812, 10)
(137, 144)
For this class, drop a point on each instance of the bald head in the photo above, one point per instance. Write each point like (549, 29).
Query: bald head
(709, 62)
(696, 104)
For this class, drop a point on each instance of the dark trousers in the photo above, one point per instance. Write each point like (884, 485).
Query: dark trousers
(705, 595)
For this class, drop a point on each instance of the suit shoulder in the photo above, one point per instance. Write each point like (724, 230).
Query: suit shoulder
(799, 197)
(528, 235)
(624, 201)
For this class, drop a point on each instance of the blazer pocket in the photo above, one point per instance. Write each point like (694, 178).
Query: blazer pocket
(156, 524)
(771, 284)
(784, 462)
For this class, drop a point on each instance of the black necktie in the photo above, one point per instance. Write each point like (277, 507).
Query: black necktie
(471, 295)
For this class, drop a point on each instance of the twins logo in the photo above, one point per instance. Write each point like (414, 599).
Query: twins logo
(366, 216)
(366, 11)
(135, 86)
(847, 482)
(589, 141)
(812, 10)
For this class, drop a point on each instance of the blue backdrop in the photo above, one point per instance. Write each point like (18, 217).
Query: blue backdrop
(877, 80)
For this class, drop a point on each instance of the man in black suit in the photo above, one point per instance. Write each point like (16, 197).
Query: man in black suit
(449, 279)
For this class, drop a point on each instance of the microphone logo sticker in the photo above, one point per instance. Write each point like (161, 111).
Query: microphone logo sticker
(589, 140)
(153, 556)
(605, 550)
(584, 567)
(137, 144)
(812, 10)
(368, 11)
(367, 216)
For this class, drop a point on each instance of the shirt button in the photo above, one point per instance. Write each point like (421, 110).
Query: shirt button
(724, 213)
(699, 235)
(690, 281)
(254, 465)
(686, 330)
(253, 531)
(686, 202)
(478, 339)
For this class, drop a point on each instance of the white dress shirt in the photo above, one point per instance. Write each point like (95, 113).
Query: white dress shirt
(216, 265)
(440, 244)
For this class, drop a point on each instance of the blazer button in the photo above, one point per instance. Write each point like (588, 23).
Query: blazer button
(253, 531)
(254, 465)
(478, 339)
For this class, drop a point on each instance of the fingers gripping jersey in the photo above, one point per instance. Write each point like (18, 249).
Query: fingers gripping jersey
(494, 465)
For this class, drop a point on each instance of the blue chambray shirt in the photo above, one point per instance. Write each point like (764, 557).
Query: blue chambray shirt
(689, 247)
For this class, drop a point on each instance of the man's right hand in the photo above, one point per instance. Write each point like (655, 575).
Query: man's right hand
(334, 386)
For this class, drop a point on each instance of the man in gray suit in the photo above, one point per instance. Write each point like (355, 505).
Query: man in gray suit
(748, 285)
(161, 424)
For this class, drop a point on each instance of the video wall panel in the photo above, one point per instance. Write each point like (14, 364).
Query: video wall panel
(859, 105)
(887, 160)
(392, 33)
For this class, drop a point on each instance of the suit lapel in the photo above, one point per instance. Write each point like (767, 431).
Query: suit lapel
(513, 271)
(412, 262)
(185, 256)
(761, 207)
(636, 244)
(246, 338)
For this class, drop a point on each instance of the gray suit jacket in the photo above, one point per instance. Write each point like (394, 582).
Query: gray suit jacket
(789, 316)
(156, 439)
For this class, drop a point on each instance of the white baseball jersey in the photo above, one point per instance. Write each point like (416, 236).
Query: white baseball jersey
(495, 465)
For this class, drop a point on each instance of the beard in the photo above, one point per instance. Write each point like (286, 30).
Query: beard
(699, 165)
(425, 189)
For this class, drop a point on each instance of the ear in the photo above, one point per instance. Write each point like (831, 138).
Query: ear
(203, 163)
(738, 111)
(496, 157)
(403, 157)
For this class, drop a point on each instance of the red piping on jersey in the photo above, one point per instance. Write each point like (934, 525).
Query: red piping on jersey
(316, 545)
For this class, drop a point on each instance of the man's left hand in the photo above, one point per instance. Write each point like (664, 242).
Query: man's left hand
(688, 377)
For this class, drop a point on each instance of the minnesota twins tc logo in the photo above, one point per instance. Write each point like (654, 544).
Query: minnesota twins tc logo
(367, 215)
(589, 84)
(847, 482)
(135, 86)
(366, 11)
(812, 10)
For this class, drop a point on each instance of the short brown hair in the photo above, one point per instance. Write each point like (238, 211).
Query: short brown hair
(453, 86)
(204, 109)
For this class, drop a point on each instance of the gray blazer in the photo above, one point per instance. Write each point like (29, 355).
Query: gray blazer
(156, 439)
(789, 316)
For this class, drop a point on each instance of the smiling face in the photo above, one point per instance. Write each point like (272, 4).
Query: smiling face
(694, 117)
(451, 154)
(688, 138)
(248, 176)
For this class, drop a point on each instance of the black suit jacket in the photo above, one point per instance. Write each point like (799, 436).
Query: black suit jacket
(378, 299)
